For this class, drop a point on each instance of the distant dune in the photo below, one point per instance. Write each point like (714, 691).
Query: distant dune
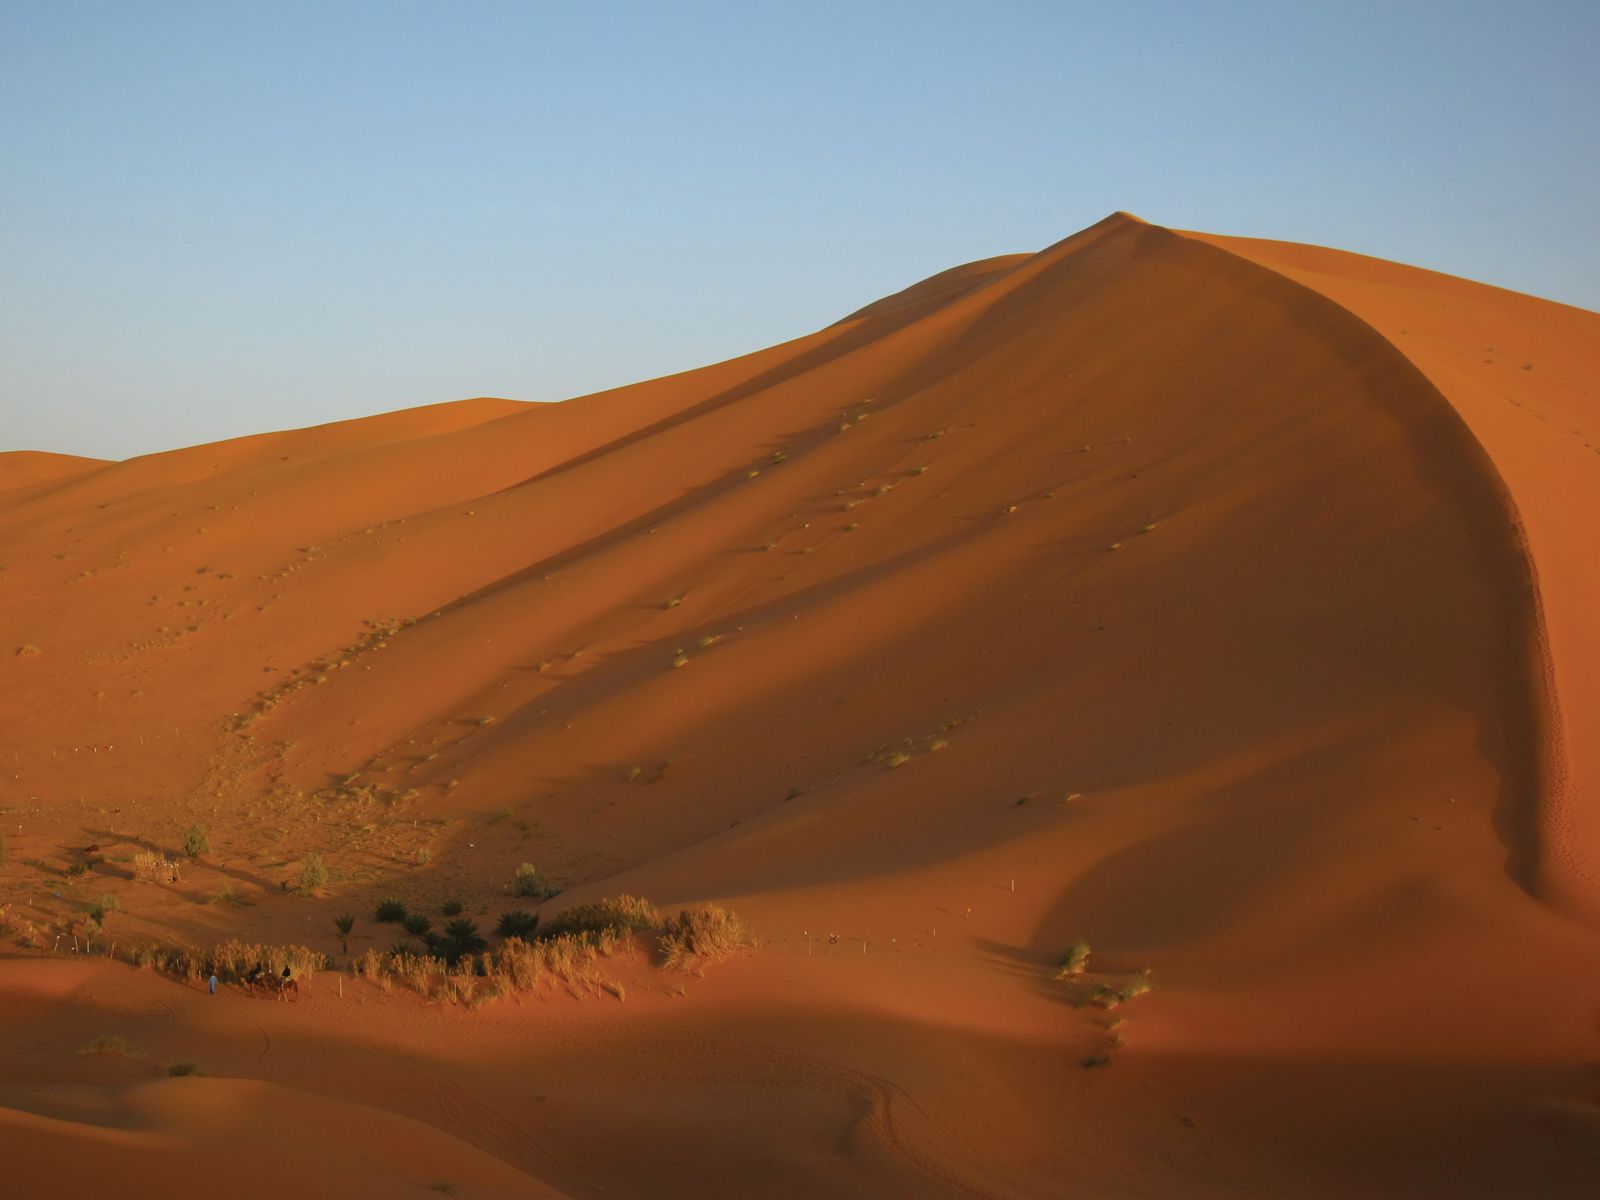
(1227, 604)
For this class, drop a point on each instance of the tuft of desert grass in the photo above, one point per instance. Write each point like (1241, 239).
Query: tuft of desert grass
(109, 1043)
(706, 934)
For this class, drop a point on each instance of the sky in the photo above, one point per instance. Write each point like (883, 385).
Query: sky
(218, 218)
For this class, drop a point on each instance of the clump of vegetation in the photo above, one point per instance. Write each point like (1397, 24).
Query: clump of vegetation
(707, 934)
(461, 939)
(518, 923)
(619, 915)
(180, 1069)
(108, 1043)
(1075, 960)
(103, 907)
(151, 866)
(532, 884)
(195, 842)
(417, 925)
(390, 911)
(1137, 986)
(344, 923)
(451, 907)
(460, 968)
(232, 960)
(424, 856)
(313, 872)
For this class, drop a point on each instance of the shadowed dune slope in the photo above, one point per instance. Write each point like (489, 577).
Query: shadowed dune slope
(1210, 599)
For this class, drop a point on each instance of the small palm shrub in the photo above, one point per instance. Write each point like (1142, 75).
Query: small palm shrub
(461, 939)
(390, 911)
(417, 925)
(344, 923)
(518, 923)
(451, 907)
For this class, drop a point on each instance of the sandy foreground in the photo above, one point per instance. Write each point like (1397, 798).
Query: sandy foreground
(1227, 604)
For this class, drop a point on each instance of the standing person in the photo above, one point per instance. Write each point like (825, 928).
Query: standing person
(212, 982)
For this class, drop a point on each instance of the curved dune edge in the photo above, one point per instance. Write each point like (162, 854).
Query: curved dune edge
(1553, 862)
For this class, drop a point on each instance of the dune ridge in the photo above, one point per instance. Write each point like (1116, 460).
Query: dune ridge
(1152, 589)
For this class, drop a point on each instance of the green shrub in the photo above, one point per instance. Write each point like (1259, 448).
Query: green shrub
(531, 884)
(195, 842)
(102, 907)
(417, 925)
(390, 911)
(344, 923)
(451, 908)
(461, 938)
(518, 923)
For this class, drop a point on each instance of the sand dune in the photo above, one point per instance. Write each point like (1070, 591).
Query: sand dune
(1222, 602)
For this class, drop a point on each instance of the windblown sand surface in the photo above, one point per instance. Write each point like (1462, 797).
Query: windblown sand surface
(1227, 603)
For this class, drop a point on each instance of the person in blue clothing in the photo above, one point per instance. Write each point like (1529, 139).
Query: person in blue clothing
(212, 982)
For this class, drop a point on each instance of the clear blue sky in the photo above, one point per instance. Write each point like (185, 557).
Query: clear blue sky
(219, 218)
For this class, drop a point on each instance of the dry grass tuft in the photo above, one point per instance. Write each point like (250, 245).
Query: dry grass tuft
(707, 934)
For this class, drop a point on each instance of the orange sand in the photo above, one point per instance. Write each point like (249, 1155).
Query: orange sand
(1230, 602)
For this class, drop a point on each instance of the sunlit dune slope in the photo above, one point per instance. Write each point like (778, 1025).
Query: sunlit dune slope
(21, 467)
(1211, 599)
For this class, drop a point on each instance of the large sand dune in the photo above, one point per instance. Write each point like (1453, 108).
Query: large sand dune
(1226, 603)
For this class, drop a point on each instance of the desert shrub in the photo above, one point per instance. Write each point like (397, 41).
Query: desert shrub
(179, 1069)
(567, 958)
(313, 872)
(461, 939)
(108, 1043)
(618, 915)
(451, 908)
(195, 842)
(74, 869)
(424, 856)
(706, 934)
(518, 923)
(371, 965)
(1075, 960)
(150, 866)
(344, 923)
(103, 907)
(417, 925)
(390, 911)
(1136, 986)
(532, 884)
